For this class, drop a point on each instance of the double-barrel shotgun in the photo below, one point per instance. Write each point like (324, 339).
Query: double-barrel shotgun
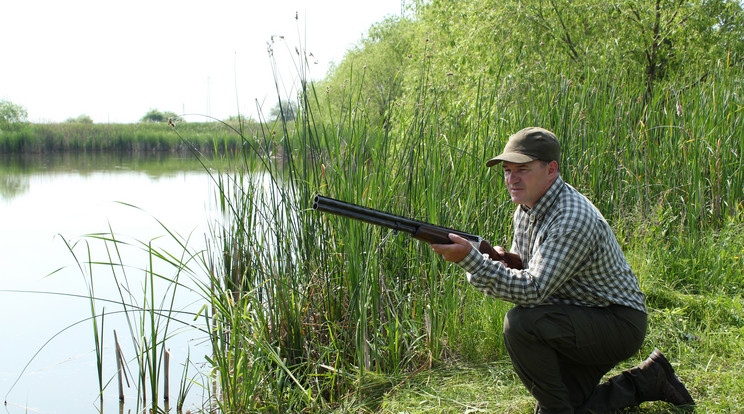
(419, 230)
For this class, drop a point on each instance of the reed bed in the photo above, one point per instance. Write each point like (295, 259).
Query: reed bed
(141, 137)
(310, 310)
(146, 306)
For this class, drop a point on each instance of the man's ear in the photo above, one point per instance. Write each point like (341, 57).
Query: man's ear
(553, 168)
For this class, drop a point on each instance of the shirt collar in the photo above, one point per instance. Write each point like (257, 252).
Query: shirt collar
(547, 200)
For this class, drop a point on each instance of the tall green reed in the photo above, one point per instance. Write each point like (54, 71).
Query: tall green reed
(333, 299)
(148, 317)
(137, 137)
(682, 149)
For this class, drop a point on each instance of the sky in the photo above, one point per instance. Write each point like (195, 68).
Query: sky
(116, 60)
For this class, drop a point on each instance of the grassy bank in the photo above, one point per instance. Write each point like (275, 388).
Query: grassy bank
(206, 137)
(701, 334)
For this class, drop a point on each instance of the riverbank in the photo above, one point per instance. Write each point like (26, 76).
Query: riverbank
(698, 326)
(138, 137)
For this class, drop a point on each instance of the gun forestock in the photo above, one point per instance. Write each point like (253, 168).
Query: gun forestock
(432, 234)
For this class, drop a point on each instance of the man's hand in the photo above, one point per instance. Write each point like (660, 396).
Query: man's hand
(453, 252)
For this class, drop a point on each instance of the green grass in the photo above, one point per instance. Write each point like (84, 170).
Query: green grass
(655, 172)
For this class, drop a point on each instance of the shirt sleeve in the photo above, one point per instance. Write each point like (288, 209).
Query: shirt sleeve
(557, 258)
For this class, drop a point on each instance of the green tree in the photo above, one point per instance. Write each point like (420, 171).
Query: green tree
(285, 110)
(665, 36)
(650, 39)
(12, 116)
(81, 119)
(235, 119)
(156, 116)
(374, 70)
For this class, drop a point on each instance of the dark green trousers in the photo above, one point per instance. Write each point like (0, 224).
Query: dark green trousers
(561, 352)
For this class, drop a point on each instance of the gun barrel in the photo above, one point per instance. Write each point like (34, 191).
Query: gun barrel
(420, 230)
(353, 211)
(380, 218)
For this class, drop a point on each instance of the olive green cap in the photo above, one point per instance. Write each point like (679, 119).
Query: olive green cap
(527, 145)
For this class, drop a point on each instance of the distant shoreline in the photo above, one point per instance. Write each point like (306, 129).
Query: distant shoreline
(137, 137)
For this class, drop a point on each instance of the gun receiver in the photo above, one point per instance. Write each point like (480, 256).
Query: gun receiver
(419, 230)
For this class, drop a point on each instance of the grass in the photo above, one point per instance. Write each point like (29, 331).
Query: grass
(351, 311)
(701, 333)
(148, 315)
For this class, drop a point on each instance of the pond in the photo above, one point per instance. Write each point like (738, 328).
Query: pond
(48, 204)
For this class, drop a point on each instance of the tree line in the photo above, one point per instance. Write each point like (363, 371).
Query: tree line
(474, 45)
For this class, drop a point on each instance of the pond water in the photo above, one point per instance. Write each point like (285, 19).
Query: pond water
(46, 201)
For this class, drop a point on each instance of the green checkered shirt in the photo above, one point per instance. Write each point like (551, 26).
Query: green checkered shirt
(570, 256)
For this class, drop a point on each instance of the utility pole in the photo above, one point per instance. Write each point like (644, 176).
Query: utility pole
(209, 98)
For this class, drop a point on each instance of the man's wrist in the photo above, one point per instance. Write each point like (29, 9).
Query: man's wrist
(471, 261)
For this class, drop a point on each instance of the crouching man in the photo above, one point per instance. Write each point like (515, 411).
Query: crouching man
(579, 308)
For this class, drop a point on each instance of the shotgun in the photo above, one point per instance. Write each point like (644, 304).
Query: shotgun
(419, 230)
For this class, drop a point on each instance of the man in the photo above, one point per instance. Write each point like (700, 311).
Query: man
(579, 309)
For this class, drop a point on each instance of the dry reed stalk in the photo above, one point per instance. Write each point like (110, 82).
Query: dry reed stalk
(119, 367)
(166, 388)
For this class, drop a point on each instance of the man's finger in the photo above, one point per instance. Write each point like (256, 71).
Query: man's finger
(458, 239)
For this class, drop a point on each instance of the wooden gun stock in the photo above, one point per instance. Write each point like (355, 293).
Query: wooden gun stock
(510, 259)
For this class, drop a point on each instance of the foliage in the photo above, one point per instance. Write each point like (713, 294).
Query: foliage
(206, 137)
(474, 45)
(284, 111)
(373, 70)
(348, 309)
(81, 119)
(12, 116)
(157, 116)
(237, 119)
(315, 313)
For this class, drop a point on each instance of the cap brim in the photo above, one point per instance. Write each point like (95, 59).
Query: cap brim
(514, 157)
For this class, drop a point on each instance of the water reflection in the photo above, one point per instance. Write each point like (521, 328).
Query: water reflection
(13, 185)
(49, 200)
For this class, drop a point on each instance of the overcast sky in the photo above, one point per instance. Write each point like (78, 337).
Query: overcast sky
(116, 60)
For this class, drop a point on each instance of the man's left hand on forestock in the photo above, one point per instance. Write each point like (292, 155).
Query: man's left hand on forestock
(454, 252)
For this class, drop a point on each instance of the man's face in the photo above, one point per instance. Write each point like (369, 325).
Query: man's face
(528, 182)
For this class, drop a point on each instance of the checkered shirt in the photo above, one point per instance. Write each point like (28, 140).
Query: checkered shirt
(570, 256)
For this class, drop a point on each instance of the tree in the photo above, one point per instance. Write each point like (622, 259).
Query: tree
(82, 119)
(663, 36)
(286, 111)
(649, 39)
(374, 69)
(156, 116)
(11, 115)
(235, 119)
